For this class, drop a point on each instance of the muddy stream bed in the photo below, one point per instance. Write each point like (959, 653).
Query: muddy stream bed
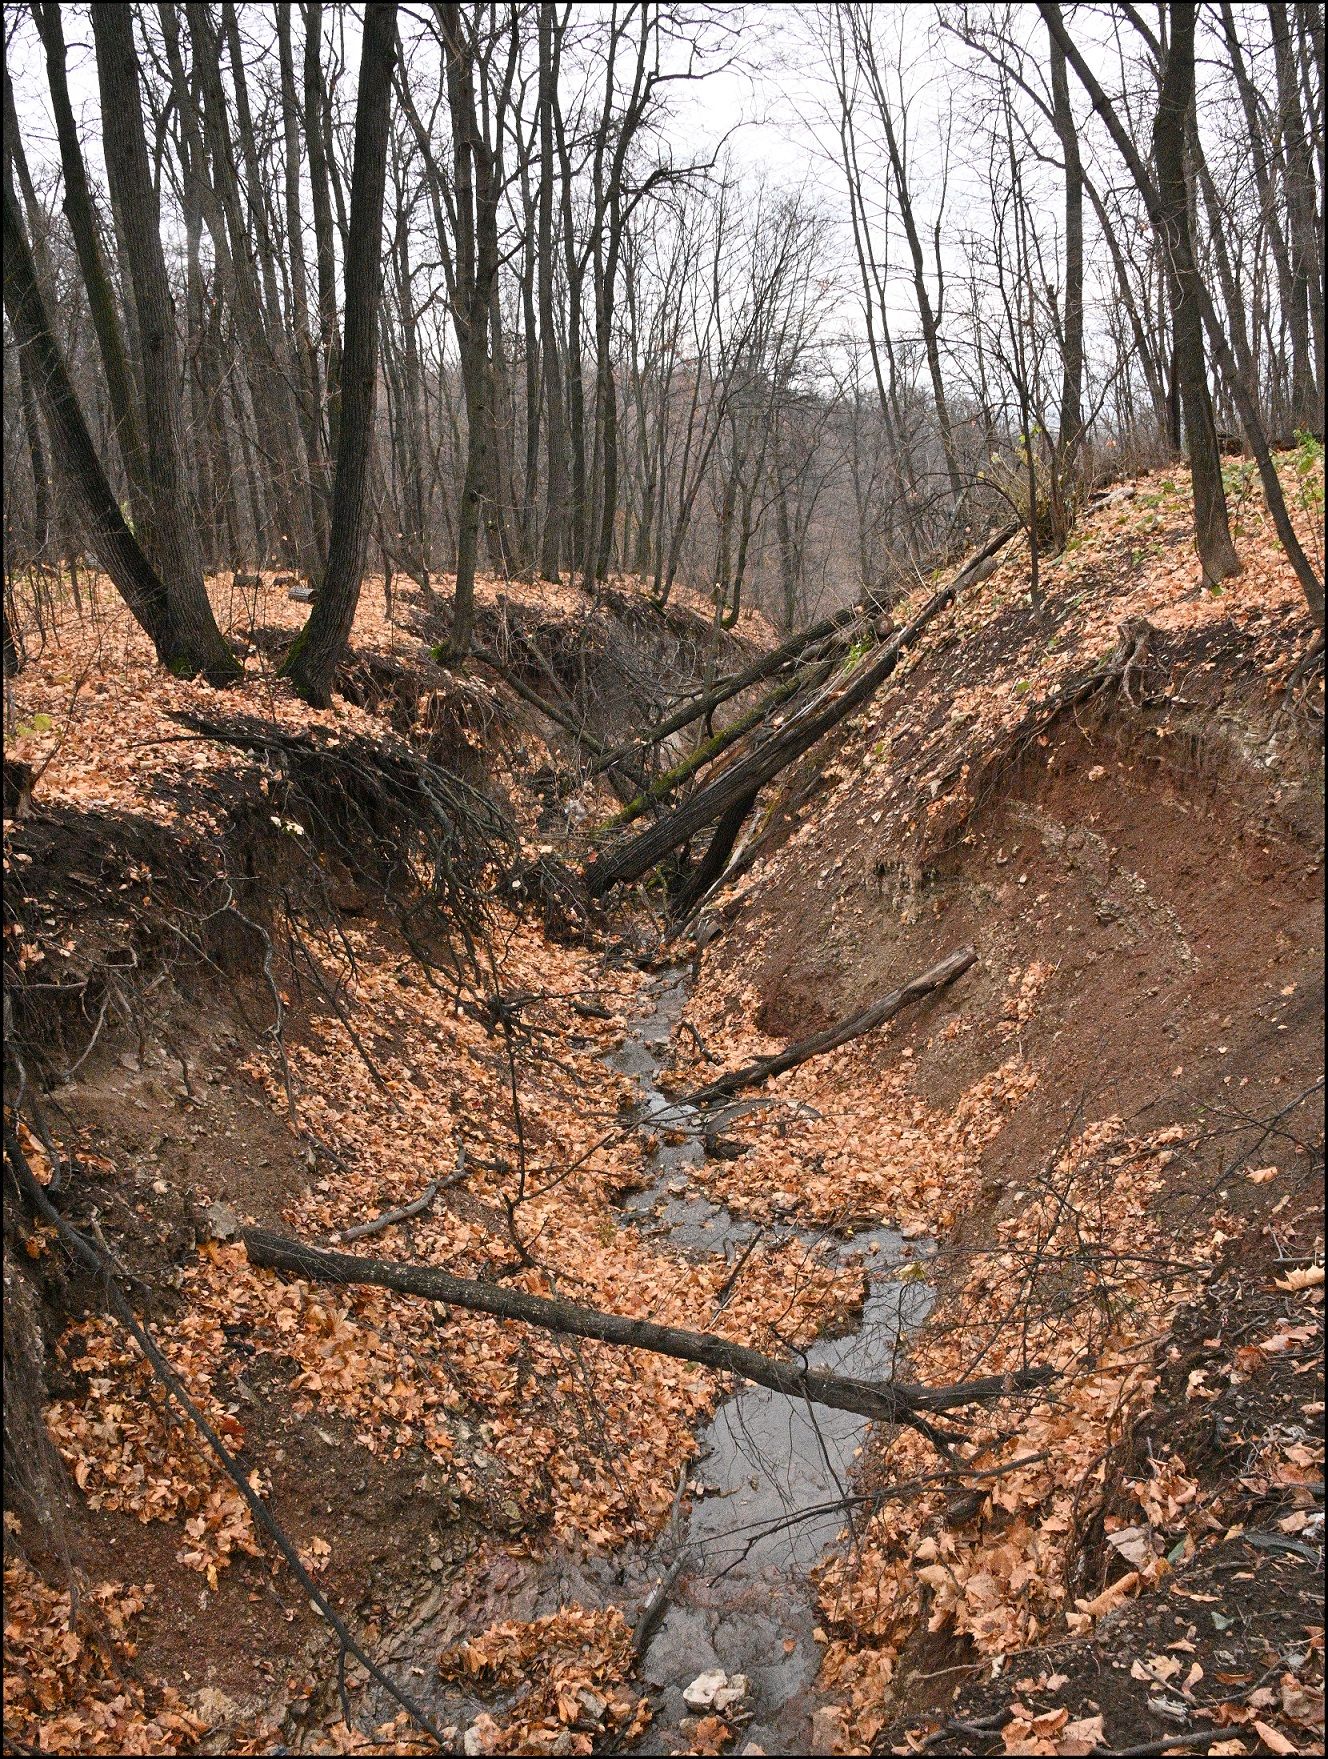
(764, 1492)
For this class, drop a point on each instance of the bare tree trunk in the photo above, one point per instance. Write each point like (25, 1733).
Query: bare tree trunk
(528, 547)
(135, 202)
(134, 577)
(318, 650)
(1298, 171)
(470, 315)
(96, 281)
(41, 489)
(275, 401)
(306, 351)
(1263, 178)
(1158, 214)
(476, 197)
(1144, 344)
(927, 314)
(1217, 553)
(1070, 425)
(329, 330)
(555, 434)
(574, 268)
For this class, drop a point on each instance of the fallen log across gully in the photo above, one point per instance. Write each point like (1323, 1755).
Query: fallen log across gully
(765, 1068)
(773, 748)
(886, 1401)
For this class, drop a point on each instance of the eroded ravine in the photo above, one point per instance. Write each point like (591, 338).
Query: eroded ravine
(764, 1494)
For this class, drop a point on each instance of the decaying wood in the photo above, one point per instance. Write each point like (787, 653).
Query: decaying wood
(656, 1606)
(715, 860)
(795, 648)
(417, 1206)
(818, 653)
(390, 1217)
(766, 1068)
(802, 682)
(781, 808)
(887, 1401)
(775, 750)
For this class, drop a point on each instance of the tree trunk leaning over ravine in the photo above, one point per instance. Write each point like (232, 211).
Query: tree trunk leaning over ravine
(725, 688)
(777, 750)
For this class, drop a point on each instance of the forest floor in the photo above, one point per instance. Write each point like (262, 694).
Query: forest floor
(1101, 1149)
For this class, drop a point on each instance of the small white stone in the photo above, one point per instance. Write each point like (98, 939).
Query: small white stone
(700, 1695)
(731, 1693)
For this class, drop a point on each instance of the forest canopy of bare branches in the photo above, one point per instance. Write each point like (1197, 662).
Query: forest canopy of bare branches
(770, 301)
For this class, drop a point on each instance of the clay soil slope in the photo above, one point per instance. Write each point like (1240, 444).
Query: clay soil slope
(1113, 1124)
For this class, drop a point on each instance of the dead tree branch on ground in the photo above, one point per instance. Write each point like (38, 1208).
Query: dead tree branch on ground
(101, 1265)
(766, 1068)
(886, 1401)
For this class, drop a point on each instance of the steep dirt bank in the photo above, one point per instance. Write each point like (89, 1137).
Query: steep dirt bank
(1114, 1116)
(265, 983)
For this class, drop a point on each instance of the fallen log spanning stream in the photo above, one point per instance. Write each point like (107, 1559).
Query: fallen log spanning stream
(774, 1465)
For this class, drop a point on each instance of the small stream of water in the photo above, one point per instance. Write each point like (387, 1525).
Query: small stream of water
(774, 1470)
(769, 1475)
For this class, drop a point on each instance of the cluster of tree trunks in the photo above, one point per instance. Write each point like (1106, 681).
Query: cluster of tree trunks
(1166, 201)
(634, 341)
(774, 748)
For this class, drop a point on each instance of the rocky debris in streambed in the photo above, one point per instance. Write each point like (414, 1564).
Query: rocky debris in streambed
(716, 1691)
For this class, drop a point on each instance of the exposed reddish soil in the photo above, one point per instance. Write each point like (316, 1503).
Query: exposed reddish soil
(1141, 872)
(1111, 1124)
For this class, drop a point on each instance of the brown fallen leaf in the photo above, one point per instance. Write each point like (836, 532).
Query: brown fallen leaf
(1300, 1704)
(1082, 1736)
(712, 1735)
(1309, 1276)
(1161, 1667)
(1110, 1596)
(1274, 1739)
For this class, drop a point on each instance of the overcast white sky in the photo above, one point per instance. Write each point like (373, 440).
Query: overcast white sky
(766, 101)
(764, 87)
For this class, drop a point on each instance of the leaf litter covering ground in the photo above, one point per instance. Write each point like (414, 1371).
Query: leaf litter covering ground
(548, 1430)
(876, 1150)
